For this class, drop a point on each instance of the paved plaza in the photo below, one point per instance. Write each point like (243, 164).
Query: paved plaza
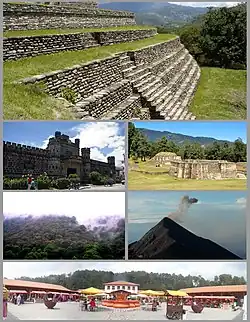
(71, 311)
(115, 187)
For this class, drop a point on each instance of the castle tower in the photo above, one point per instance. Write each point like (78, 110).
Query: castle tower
(86, 165)
(111, 162)
(54, 148)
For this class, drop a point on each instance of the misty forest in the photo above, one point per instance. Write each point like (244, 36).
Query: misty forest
(141, 146)
(82, 279)
(62, 237)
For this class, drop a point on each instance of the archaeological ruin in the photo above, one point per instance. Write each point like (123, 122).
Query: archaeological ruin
(165, 158)
(60, 159)
(203, 169)
(154, 82)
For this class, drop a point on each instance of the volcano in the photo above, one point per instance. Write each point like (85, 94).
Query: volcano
(169, 240)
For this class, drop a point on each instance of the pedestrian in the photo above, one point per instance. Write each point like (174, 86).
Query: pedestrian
(19, 299)
(5, 303)
(29, 181)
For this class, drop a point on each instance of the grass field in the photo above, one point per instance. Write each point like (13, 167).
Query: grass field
(142, 181)
(18, 33)
(221, 95)
(138, 179)
(30, 102)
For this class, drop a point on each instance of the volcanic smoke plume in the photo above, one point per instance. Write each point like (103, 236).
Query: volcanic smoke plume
(184, 205)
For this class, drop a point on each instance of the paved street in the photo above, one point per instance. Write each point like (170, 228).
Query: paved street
(115, 187)
(71, 311)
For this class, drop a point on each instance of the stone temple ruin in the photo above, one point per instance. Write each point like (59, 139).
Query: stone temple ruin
(60, 159)
(154, 82)
(196, 169)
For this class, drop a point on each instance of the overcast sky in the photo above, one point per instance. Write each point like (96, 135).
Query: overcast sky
(206, 4)
(205, 269)
(82, 205)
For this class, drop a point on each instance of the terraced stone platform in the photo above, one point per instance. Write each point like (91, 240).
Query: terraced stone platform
(155, 82)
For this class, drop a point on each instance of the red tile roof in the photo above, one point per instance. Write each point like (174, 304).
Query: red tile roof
(10, 284)
(216, 289)
(122, 283)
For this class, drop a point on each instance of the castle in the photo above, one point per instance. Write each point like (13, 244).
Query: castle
(60, 159)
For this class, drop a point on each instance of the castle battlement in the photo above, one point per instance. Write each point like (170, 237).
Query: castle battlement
(20, 148)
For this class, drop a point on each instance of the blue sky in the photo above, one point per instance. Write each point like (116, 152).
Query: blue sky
(219, 130)
(207, 218)
(104, 138)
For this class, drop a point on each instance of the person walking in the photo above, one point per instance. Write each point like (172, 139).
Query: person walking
(29, 181)
(5, 303)
(19, 299)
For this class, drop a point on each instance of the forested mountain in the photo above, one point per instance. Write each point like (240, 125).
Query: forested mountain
(145, 144)
(62, 237)
(86, 278)
(157, 13)
(178, 138)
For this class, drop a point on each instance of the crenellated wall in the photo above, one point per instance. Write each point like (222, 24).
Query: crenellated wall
(41, 16)
(60, 159)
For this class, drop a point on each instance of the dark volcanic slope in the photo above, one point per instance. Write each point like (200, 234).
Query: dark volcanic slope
(169, 240)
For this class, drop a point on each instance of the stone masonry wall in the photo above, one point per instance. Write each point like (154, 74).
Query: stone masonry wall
(20, 160)
(203, 169)
(152, 53)
(35, 16)
(25, 46)
(84, 79)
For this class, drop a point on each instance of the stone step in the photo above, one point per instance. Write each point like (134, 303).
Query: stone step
(152, 90)
(113, 114)
(144, 81)
(126, 65)
(137, 73)
(131, 69)
(170, 91)
(177, 105)
(176, 63)
(146, 88)
(125, 58)
(168, 60)
(139, 79)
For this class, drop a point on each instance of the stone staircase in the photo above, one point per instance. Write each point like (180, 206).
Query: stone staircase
(167, 86)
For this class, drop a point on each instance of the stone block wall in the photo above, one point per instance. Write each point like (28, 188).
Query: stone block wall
(20, 160)
(103, 168)
(114, 37)
(36, 16)
(203, 169)
(25, 46)
(152, 53)
(83, 79)
(20, 47)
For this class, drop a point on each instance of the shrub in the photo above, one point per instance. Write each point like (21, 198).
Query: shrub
(43, 182)
(62, 183)
(69, 95)
(15, 184)
(96, 178)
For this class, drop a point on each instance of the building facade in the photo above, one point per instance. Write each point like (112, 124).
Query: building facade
(121, 286)
(61, 158)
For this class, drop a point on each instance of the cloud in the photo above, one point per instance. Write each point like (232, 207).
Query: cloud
(206, 4)
(206, 269)
(82, 205)
(242, 202)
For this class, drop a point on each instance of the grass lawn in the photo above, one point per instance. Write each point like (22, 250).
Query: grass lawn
(221, 95)
(30, 102)
(18, 33)
(141, 181)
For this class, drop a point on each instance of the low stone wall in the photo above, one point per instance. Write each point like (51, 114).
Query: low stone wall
(20, 47)
(114, 37)
(203, 169)
(152, 53)
(25, 46)
(84, 79)
(35, 16)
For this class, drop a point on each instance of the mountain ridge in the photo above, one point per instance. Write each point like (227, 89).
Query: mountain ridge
(178, 138)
